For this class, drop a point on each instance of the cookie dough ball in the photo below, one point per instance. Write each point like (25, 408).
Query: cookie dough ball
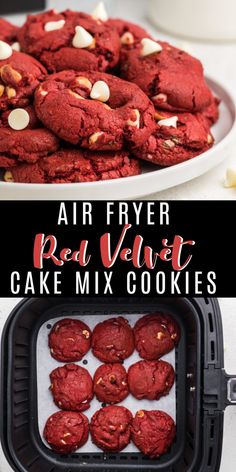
(25, 146)
(153, 432)
(71, 387)
(110, 428)
(66, 431)
(177, 138)
(113, 340)
(110, 383)
(69, 340)
(150, 379)
(70, 40)
(173, 79)
(20, 74)
(77, 165)
(156, 335)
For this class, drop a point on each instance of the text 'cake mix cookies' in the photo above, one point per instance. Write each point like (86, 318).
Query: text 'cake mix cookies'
(156, 335)
(73, 166)
(110, 383)
(69, 340)
(71, 387)
(96, 110)
(110, 428)
(66, 431)
(113, 340)
(153, 432)
(70, 40)
(150, 379)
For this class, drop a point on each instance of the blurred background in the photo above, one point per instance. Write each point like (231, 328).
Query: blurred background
(201, 19)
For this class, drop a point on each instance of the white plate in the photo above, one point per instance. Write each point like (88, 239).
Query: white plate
(151, 180)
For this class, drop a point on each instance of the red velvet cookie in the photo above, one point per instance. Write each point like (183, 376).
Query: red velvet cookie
(172, 78)
(25, 146)
(69, 340)
(156, 335)
(8, 31)
(113, 340)
(150, 379)
(69, 166)
(70, 40)
(66, 431)
(110, 383)
(153, 432)
(20, 74)
(64, 104)
(170, 145)
(110, 428)
(71, 387)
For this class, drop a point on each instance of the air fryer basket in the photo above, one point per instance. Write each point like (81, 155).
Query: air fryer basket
(202, 387)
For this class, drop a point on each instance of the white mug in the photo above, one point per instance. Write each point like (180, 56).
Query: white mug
(199, 19)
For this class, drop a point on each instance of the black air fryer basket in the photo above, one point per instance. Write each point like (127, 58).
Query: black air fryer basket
(203, 389)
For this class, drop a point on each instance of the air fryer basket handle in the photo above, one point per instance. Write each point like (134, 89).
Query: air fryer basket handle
(231, 389)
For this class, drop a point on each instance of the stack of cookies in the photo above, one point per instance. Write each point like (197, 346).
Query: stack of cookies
(86, 98)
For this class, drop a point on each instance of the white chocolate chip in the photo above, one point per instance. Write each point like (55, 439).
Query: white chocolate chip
(209, 139)
(18, 119)
(169, 144)
(11, 92)
(8, 177)
(84, 82)
(127, 38)
(172, 121)
(5, 51)
(95, 136)
(43, 93)
(230, 178)
(160, 98)
(54, 25)
(100, 91)
(82, 38)
(16, 46)
(99, 12)
(136, 121)
(149, 47)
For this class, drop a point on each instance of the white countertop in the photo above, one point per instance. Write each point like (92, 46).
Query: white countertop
(228, 307)
(219, 60)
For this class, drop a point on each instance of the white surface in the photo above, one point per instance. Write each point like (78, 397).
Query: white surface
(196, 18)
(152, 179)
(219, 60)
(45, 365)
(228, 307)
